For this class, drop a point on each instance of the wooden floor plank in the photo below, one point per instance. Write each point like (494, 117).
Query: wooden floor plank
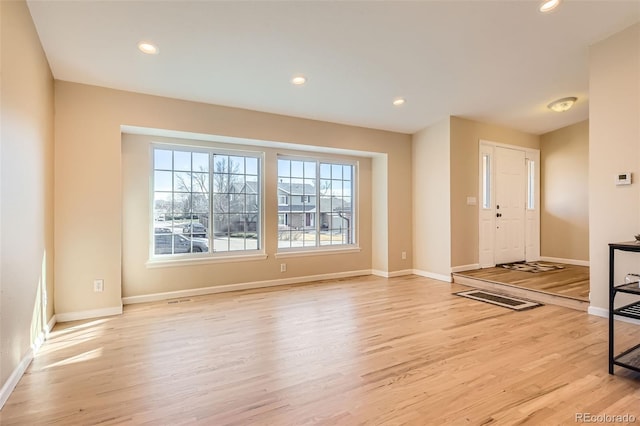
(570, 281)
(366, 350)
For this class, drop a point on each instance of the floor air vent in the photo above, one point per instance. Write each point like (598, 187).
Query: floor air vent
(499, 299)
(176, 301)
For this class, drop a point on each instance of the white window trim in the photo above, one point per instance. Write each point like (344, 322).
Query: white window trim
(203, 259)
(317, 251)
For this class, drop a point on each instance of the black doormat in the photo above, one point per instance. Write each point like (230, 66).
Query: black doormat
(499, 299)
(534, 267)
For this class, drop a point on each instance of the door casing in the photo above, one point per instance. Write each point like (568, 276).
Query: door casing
(487, 214)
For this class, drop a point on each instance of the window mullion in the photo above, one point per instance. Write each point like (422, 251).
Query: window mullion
(210, 222)
(173, 199)
(318, 214)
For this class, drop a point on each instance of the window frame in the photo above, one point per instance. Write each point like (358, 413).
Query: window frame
(354, 228)
(212, 255)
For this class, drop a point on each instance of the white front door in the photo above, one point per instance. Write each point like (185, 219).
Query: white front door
(510, 189)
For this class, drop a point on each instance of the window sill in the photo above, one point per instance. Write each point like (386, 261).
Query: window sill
(317, 252)
(163, 263)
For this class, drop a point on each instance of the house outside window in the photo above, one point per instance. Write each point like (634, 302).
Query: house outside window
(204, 202)
(321, 208)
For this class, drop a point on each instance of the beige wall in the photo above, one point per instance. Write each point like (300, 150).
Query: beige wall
(379, 204)
(465, 136)
(399, 202)
(137, 279)
(431, 207)
(26, 193)
(564, 200)
(614, 146)
(88, 219)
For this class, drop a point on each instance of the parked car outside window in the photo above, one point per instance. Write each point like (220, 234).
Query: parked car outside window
(195, 229)
(181, 244)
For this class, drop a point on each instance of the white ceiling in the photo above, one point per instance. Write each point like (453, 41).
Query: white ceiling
(495, 61)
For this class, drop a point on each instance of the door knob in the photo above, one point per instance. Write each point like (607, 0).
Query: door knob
(498, 214)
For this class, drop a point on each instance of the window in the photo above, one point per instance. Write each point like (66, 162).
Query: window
(204, 202)
(531, 185)
(321, 208)
(486, 181)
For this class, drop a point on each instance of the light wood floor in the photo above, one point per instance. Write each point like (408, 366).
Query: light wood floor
(572, 281)
(356, 351)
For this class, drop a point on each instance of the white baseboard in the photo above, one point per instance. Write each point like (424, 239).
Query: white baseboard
(439, 277)
(401, 273)
(15, 377)
(392, 274)
(52, 322)
(154, 297)
(19, 371)
(567, 261)
(601, 312)
(463, 268)
(94, 313)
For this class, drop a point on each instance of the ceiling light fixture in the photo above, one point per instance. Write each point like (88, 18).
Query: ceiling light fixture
(148, 48)
(549, 5)
(299, 80)
(562, 105)
(398, 101)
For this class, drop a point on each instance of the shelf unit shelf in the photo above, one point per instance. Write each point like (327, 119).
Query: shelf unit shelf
(630, 311)
(630, 358)
(632, 288)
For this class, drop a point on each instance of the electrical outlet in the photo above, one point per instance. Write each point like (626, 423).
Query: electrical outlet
(98, 286)
(283, 267)
(404, 255)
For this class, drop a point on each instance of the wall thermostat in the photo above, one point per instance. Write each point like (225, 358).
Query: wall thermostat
(623, 178)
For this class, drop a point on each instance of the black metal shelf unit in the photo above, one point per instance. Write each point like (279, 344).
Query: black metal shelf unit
(629, 358)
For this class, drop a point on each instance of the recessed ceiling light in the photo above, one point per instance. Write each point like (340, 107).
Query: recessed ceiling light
(562, 105)
(549, 5)
(299, 80)
(398, 101)
(148, 48)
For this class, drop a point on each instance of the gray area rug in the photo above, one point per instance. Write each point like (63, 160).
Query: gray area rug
(534, 267)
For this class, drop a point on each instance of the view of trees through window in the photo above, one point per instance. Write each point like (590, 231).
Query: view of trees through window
(209, 201)
(315, 203)
(204, 202)
(236, 204)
